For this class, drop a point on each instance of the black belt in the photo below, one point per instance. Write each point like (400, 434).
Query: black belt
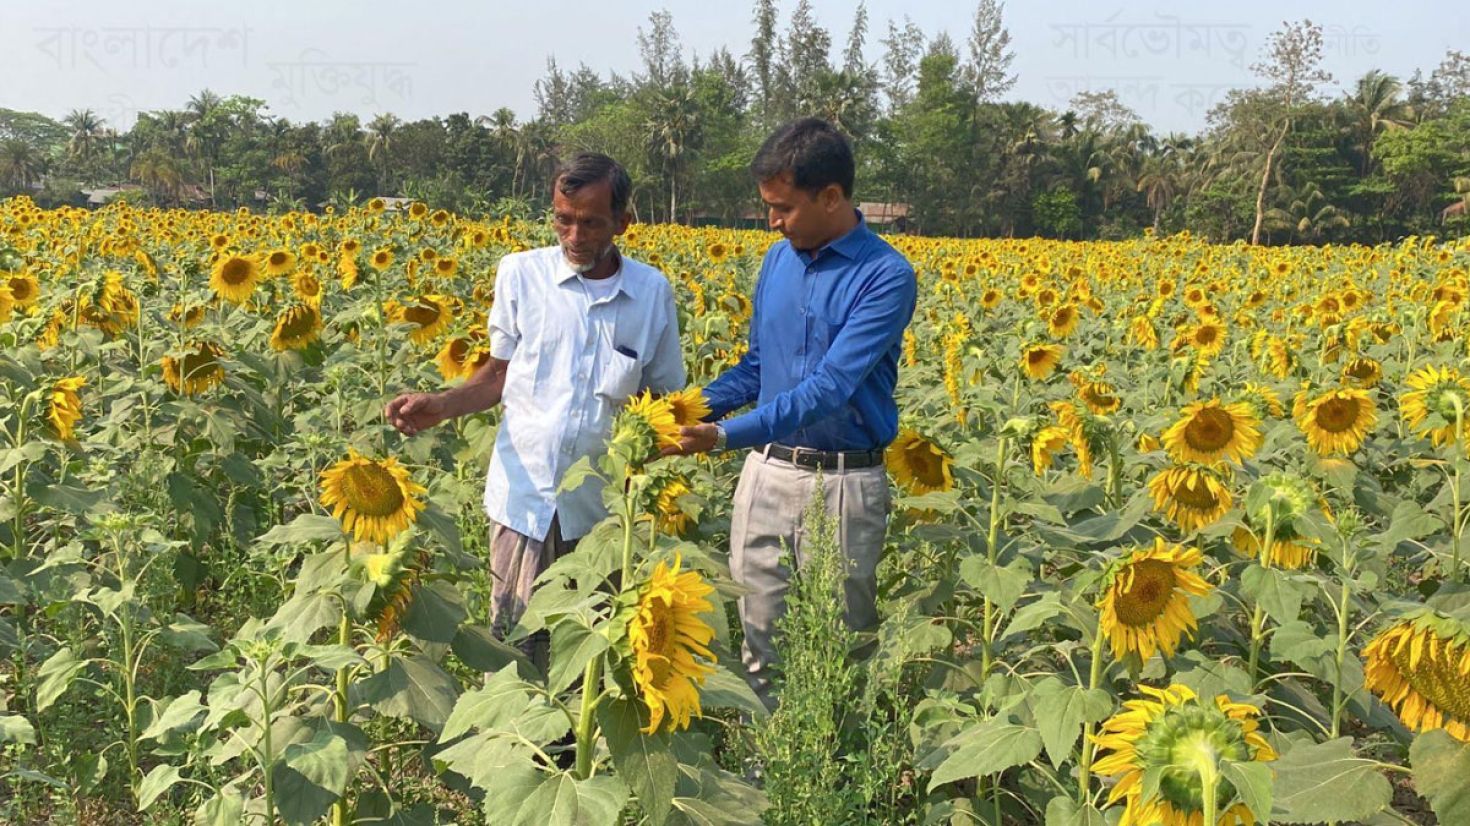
(824, 459)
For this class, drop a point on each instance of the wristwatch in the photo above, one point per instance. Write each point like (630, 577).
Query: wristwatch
(720, 437)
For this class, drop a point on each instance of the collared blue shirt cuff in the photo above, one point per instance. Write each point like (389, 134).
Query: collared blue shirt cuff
(744, 431)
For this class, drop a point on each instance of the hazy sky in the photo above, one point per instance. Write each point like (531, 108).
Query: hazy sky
(308, 58)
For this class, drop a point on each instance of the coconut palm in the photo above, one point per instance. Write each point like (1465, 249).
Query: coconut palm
(1376, 106)
(1307, 215)
(381, 131)
(87, 135)
(21, 164)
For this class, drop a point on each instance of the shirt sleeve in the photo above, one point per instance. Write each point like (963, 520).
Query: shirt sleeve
(741, 384)
(875, 326)
(665, 370)
(505, 333)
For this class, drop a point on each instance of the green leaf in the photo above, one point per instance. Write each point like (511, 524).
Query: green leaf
(55, 676)
(182, 713)
(434, 613)
(1326, 782)
(477, 648)
(504, 767)
(1064, 811)
(1060, 712)
(562, 800)
(1033, 615)
(939, 501)
(988, 748)
(1252, 781)
(643, 761)
(16, 729)
(573, 645)
(441, 525)
(488, 708)
(304, 614)
(67, 498)
(1274, 590)
(725, 689)
(1409, 521)
(414, 688)
(1441, 764)
(155, 783)
(188, 634)
(577, 475)
(226, 808)
(308, 527)
(310, 777)
(10, 592)
(1002, 586)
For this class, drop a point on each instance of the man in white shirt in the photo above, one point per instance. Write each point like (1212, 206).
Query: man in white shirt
(575, 330)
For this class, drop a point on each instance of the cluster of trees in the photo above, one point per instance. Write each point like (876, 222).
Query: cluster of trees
(1279, 163)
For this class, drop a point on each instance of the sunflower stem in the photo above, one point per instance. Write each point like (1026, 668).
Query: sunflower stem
(1094, 676)
(1342, 634)
(992, 538)
(1209, 779)
(1457, 520)
(592, 677)
(340, 815)
(1258, 619)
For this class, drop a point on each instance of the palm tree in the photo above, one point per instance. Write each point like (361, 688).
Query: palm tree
(161, 173)
(1162, 174)
(379, 140)
(502, 126)
(1376, 106)
(20, 164)
(205, 132)
(86, 136)
(673, 128)
(1307, 215)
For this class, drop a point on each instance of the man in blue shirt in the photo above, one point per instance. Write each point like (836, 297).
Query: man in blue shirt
(830, 307)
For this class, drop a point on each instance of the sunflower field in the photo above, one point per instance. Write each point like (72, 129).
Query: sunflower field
(1179, 538)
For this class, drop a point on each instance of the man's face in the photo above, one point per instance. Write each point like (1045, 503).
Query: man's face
(586, 225)
(803, 217)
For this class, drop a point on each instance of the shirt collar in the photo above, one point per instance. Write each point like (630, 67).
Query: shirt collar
(850, 243)
(565, 273)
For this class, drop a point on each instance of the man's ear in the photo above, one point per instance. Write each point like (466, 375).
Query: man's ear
(622, 221)
(831, 197)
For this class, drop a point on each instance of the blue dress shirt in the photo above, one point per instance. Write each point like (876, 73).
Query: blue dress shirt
(825, 337)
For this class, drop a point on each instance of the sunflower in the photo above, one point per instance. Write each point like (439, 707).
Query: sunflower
(453, 357)
(1292, 554)
(296, 327)
(1099, 396)
(374, 500)
(1362, 372)
(665, 636)
(1039, 360)
(1165, 734)
(1142, 333)
(65, 408)
(643, 425)
(308, 288)
(197, 370)
(430, 315)
(279, 262)
(672, 520)
(919, 465)
(7, 303)
(1062, 321)
(991, 298)
(1210, 431)
(233, 277)
(382, 258)
(1439, 392)
(1261, 399)
(25, 290)
(1420, 666)
(347, 272)
(1207, 338)
(1080, 427)
(717, 252)
(688, 405)
(187, 316)
(1145, 608)
(1191, 497)
(1046, 443)
(1337, 421)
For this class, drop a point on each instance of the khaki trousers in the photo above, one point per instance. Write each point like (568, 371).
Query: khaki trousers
(766, 520)
(515, 562)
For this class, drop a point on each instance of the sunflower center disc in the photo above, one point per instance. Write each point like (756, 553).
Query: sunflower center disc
(371, 490)
(1337, 415)
(1147, 596)
(421, 315)
(235, 271)
(1210, 430)
(1197, 496)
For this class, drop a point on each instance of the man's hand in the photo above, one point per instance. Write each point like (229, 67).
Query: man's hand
(413, 412)
(699, 438)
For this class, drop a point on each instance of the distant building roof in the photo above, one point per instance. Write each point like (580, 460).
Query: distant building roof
(877, 212)
(103, 194)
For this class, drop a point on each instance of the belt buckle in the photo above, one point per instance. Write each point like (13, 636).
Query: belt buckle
(796, 456)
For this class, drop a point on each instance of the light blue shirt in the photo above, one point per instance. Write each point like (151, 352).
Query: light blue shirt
(574, 360)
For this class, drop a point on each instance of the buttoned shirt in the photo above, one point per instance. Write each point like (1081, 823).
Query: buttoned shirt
(574, 360)
(825, 335)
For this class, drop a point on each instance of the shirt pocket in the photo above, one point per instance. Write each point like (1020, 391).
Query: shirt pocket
(617, 378)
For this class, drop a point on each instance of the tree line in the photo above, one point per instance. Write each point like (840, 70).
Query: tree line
(1283, 162)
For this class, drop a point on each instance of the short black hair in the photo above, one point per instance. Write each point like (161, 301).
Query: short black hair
(815, 153)
(588, 168)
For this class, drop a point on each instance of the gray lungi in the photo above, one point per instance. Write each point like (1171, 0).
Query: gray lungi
(515, 562)
(770, 499)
